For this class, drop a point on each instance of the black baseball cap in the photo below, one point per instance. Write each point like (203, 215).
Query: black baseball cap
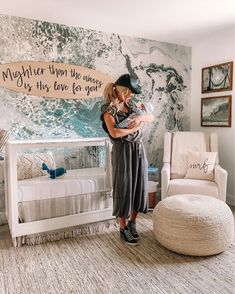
(130, 82)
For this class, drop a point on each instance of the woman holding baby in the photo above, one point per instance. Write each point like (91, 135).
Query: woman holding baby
(129, 162)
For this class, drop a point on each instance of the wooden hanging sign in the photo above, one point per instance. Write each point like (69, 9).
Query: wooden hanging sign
(51, 79)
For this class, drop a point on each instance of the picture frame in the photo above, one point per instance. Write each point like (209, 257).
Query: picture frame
(216, 111)
(217, 77)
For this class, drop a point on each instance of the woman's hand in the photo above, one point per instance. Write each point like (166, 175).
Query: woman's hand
(134, 122)
(118, 132)
(141, 119)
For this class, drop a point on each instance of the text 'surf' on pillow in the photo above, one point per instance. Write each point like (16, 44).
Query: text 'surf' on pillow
(201, 165)
(30, 165)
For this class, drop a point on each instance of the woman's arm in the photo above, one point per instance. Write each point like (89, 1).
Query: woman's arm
(140, 119)
(117, 132)
(145, 117)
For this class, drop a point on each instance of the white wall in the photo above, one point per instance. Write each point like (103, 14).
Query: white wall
(215, 49)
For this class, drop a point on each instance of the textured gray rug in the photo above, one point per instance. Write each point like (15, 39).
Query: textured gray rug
(100, 264)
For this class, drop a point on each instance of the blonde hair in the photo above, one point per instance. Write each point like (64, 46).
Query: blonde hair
(110, 92)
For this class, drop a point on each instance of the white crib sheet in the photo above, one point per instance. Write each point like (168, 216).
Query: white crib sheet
(75, 182)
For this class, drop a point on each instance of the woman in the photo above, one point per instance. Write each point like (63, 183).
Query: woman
(129, 160)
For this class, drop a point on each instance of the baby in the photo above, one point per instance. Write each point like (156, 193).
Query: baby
(145, 108)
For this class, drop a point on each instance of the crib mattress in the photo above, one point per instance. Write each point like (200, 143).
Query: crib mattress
(74, 182)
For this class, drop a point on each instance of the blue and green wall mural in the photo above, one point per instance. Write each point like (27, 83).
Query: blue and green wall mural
(164, 71)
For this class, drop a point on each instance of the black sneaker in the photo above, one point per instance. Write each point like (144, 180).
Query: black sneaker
(132, 227)
(126, 236)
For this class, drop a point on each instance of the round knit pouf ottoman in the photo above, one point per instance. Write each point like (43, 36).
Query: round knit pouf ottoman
(193, 224)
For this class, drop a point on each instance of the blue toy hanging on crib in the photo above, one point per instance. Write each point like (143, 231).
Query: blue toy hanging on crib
(54, 173)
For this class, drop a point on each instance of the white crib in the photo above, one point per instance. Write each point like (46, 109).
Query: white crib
(85, 188)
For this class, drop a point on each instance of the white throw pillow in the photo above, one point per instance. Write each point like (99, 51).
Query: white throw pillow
(201, 165)
(30, 165)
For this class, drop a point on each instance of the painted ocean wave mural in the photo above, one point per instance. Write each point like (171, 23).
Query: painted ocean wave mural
(164, 71)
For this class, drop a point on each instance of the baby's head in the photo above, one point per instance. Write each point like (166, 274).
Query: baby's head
(147, 107)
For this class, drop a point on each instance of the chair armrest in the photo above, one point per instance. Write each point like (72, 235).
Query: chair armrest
(165, 179)
(221, 176)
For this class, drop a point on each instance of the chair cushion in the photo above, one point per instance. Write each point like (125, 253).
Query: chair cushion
(201, 165)
(182, 142)
(191, 186)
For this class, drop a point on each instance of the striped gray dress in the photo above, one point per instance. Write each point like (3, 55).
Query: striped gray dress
(129, 168)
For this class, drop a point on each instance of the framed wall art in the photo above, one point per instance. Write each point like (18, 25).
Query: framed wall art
(217, 77)
(216, 111)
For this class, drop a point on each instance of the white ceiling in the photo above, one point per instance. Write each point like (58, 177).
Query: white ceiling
(181, 22)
